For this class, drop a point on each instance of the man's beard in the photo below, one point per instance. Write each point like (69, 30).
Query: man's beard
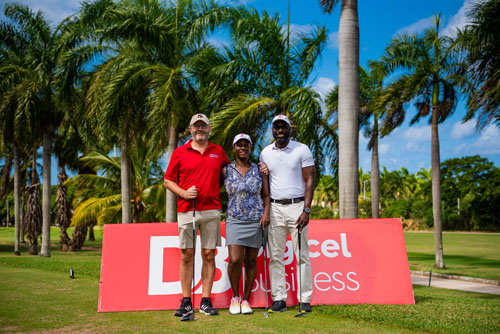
(201, 136)
(281, 140)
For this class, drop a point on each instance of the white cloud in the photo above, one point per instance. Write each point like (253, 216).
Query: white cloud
(243, 2)
(460, 149)
(487, 143)
(297, 29)
(333, 40)
(54, 10)
(459, 20)
(418, 133)
(363, 141)
(413, 147)
(384, 148)
(417, 27)
(232, 2)
(461, 130)
(323, 86)
(218, 42)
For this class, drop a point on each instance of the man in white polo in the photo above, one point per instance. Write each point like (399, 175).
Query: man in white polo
(291, 178)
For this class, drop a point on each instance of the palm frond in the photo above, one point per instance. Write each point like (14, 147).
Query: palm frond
(242, 114)
(90, 210)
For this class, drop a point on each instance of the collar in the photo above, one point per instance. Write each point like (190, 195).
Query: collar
(189, 147)
(287, 147)
(233, 164)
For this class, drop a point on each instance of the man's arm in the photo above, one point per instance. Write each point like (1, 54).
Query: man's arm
(189, 193)
(266, 199)
(308, 175)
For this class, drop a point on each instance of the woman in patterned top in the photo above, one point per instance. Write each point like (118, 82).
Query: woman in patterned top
(246, 217)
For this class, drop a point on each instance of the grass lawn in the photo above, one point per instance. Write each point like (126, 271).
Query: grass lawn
(36, 295)
(465, 254)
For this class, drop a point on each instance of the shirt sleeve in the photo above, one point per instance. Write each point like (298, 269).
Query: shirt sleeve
(307, 157)
(173, 167)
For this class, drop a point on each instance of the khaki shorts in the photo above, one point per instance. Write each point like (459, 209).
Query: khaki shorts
(207, 222)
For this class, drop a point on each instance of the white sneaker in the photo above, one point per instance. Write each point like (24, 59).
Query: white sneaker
(245, 307)
(235, 307)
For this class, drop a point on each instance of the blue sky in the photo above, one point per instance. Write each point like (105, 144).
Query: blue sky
(379, 22)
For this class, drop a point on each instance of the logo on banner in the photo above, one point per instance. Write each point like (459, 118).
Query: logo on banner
(328, 248)
(156, 284)
(352, 262)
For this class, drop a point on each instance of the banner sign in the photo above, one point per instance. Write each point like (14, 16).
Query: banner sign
(354, 261)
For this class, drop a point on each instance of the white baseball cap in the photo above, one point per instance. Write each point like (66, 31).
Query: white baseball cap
(281, 118)
(242, 136)
(199, 117)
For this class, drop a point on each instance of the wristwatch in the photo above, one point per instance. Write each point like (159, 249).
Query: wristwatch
(307, 210)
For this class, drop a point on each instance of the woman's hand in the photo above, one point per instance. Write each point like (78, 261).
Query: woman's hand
(264, 220)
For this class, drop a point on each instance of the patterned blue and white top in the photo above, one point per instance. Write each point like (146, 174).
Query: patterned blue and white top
(244, 202)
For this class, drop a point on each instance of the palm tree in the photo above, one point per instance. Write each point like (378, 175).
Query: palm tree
(326, 192)
(68, 145)
(264, 74)
(16, 109)
(33, 225)
(348, 104)
(99, 196)
(175, 94)
(481, 43)
(34, 79)
(430, 78)
(145, 77)
(5, 184)
(371, 85)
(9, 136)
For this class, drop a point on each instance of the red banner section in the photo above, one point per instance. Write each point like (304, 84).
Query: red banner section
(353, 262)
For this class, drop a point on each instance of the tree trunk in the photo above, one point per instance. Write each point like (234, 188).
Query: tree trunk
(33, 217)
(7, 219)
(375, 172)
(17, 199)
(171, 205)
(91, 232)
(78, 237)
(22, 220)
(125, 177)
(46, 198)
(6, 178)
(436, 190)
(348, 109)
(63, 212)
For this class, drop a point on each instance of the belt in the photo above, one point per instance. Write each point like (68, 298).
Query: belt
(288, 200)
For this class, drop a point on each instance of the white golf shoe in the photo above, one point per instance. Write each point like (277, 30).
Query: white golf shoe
(245, 307)
(235, 307)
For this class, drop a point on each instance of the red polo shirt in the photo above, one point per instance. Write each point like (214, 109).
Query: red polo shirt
(189, 167)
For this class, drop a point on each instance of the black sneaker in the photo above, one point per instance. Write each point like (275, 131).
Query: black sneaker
(305, 307)
(206, 307)
(278, 306)
(186, 307)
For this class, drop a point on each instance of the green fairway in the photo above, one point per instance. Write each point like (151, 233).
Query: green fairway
(465, 254)
(37, 295)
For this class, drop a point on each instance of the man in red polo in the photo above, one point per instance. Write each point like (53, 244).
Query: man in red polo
(193, 173)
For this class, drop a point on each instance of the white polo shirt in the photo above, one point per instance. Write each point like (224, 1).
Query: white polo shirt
(285, 169)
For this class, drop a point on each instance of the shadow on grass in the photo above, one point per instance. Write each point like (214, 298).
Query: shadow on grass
(423, 299)
(9, 248)
(469, 261)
